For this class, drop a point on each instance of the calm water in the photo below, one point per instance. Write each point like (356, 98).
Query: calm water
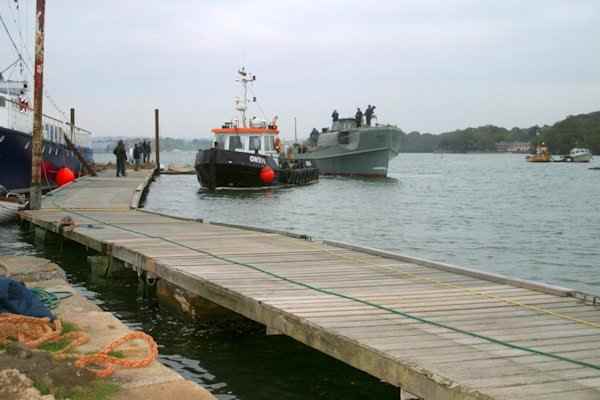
(493, 212)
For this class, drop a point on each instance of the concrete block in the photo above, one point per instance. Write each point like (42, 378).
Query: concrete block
(29, 269)
(181, 390)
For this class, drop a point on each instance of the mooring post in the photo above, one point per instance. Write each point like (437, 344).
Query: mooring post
(157, 140)
(35, 194)
(72, 123)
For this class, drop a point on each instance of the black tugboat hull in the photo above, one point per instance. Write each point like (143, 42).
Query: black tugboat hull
(224, 169)
(216, 168)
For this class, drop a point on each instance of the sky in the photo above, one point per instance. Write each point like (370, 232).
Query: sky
(428, 65)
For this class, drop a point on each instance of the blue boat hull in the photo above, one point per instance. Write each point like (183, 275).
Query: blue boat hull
(15, 160)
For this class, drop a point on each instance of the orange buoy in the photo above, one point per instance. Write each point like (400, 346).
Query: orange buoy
(267, 175)
(64, 176)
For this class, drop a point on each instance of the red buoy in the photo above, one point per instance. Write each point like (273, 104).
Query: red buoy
(64, 176)
(267, 175)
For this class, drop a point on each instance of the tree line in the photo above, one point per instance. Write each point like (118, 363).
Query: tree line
(581, 130)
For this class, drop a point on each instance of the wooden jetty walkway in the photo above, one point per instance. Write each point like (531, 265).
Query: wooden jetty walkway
(437, 331)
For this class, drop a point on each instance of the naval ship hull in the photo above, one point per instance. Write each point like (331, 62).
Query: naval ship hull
(362, 152)
(370, 163)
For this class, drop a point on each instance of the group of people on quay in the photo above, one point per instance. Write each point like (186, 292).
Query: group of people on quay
(368, 116)
(141, 154)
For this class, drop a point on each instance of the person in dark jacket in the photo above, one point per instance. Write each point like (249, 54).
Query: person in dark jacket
(137, 155)
(147, 150)
(335, 116)
(369, 114)
(358, 116)
(121, 153)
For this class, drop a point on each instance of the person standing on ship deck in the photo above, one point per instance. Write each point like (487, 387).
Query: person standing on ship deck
(335, 116)
(369, 114)
(121, 155)
(358, 117)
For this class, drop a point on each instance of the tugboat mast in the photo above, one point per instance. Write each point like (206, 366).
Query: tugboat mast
(242, 104)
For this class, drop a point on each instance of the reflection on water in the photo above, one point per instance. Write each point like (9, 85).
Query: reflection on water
(493, 212)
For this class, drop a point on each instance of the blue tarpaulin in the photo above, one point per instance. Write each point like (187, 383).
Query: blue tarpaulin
(16, 298)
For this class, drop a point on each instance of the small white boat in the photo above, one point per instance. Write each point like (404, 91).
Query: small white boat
(9, 205)
(8, 211)
(579, 154)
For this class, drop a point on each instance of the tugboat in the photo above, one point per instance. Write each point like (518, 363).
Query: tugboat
(246, 153)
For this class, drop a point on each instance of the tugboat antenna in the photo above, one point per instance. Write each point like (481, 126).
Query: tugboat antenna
(242, 105)
(295, 131)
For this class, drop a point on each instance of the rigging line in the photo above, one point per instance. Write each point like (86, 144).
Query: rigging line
(10, 36)
(14, 14)
(10, 66)
(257, 103)
(46, 94)
(318, 289)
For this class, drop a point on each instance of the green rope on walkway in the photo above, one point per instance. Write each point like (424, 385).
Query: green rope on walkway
(347, 297)
(50, 299)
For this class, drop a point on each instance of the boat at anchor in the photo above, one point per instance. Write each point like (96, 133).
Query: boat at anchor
(61, 140)
(246, 153)
(352, 149)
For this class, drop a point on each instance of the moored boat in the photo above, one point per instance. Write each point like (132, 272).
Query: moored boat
(8, 211)
(579, 154)
(15, 147)
(542, 154)
(246, 153)
(9, 205)
(16, 127)
(352, 150)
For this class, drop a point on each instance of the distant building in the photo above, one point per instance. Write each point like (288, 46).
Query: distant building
(513, 147)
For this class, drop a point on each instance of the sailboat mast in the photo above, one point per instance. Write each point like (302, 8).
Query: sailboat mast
(35, 200)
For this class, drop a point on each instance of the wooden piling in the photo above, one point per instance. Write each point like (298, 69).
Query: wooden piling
(35, 199)
(157, 139)
(72, 123)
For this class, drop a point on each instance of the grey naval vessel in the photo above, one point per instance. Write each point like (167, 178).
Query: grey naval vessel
(347, 149)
